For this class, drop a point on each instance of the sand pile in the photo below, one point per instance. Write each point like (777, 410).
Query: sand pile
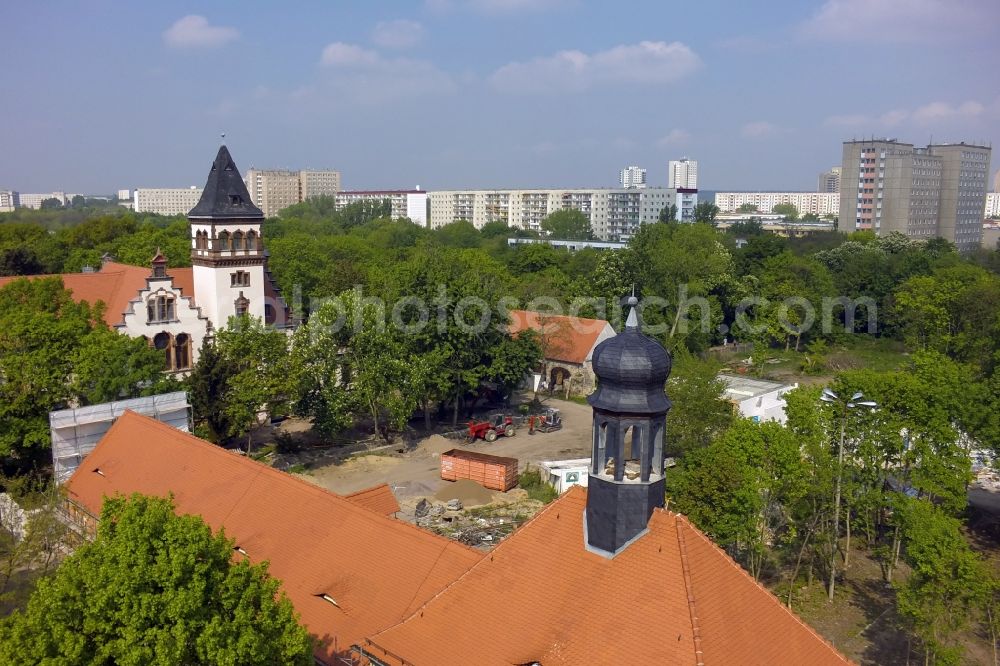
(469, 492)
(438, 444)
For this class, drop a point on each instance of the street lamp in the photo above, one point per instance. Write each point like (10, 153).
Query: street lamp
(854, 401)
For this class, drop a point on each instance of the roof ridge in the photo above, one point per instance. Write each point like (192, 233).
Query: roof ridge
(314, 489)
(689, 588)
(574, 490)
(770, 595)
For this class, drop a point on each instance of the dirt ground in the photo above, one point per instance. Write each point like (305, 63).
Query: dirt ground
(416, 473)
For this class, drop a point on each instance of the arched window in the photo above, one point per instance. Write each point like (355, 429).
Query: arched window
(251, 240)
(224, 240)
(201, 240)
(162, 342)
(182, 351)
(238, 240)
(269, 314)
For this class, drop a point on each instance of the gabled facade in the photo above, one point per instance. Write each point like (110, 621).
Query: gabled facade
(175, 309)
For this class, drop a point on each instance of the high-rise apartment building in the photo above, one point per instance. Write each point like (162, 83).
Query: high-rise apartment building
(273, 190)
(992, 204)
(996, 181)
(614, 214)
(683, 174)
(411, 204)
(891, 186)
(829, 181)
(632, 176)
(9, 200)
(817, 203)
(166, 200)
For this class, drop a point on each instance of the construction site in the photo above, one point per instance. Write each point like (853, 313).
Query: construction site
(474, 508)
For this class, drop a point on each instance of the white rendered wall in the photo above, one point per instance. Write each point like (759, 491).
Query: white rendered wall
(186, 317)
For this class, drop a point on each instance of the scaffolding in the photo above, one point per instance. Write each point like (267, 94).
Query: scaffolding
(75, 432)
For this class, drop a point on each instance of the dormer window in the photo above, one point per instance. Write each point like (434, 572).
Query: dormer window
(327, 598)
(235, 199)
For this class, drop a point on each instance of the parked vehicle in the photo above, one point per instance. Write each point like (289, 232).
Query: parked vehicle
(490, 429)
(549, 421)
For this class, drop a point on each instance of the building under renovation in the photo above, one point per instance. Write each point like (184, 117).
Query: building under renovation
(603, 575)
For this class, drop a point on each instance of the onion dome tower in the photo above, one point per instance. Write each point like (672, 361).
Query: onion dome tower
(630, 409)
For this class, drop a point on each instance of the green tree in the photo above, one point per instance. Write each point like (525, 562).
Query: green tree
(110, 366)
(740, 490)
(260, 381)
(155, 587)
(747, 208)
(458, 234)
(50, 203)
(700, 414)
(705, 211)
(40, 329)
(947, 584)
(567, 224)
(789, 211)
(668, 214)
(208, 386)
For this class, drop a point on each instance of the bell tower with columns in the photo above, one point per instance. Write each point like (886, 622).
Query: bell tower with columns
(227, 250)
(630, 408)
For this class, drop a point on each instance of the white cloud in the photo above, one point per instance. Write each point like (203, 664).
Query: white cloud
(339, 54)
(924, 115)
(645, 62)
(398, 34)
(937, 111)
(365, 76)
(898, 20)
(673, 137)
(194, 31)
(758, 129)
(495, 6)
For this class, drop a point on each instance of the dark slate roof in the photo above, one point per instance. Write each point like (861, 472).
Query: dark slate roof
(631, 370)
(225, 194)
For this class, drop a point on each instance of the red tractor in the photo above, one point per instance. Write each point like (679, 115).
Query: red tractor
(496, 425)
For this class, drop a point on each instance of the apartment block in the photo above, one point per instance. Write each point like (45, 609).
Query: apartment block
(273, 190)
(940, 190)
(9, 200)
(829, 181)
(817, 203)
(405, 203)
(632, 176)
(166, 200)
(614, 214)
(992, 204)
(682, 174)
(35, 200)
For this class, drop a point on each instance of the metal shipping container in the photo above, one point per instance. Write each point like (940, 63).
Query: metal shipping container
(493, 472)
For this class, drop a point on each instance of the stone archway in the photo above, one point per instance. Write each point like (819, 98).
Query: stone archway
(559, 378)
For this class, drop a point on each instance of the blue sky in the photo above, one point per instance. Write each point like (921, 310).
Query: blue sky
(449, 94)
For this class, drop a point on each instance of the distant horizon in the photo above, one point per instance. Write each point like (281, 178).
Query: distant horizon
(478, 94)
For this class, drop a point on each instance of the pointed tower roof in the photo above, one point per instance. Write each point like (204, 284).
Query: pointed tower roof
(225, 194)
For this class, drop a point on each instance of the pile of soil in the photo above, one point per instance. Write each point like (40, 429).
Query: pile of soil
(437, 444)
(469, 492)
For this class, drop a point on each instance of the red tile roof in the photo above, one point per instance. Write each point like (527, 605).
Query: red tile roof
(376, 568)
(115, 285)
(671, 597)
(379, 499)
(569, 339)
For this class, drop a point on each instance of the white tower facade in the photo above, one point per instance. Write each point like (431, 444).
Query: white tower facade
(227, 250)
(683, 174)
